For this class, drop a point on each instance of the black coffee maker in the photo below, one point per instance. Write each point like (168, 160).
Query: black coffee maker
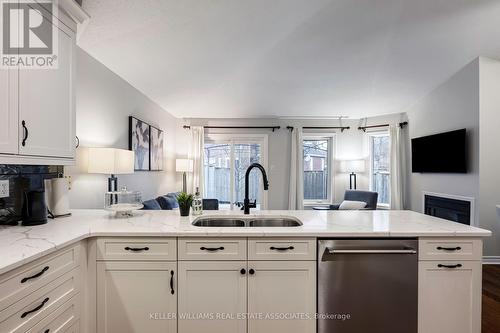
(34, 208)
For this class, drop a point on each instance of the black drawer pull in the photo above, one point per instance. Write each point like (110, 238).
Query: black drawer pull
(172, 282)
(458, 248)
(26, 279)
(137, 249)
(35, 309)
(450, 266)
(26, 133)
(211, 249)
(47, 330)
(243, 271)
(282, 248)
(251, 271)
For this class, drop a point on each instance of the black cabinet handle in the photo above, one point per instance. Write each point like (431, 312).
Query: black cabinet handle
(243, 271)
(35, 309)
(26, 279)
(458, 248)
(282, 248)
(450, 266)
(212, 248)
(172, 282)
(47, 330)
(251, 271)
(26, 133)
(137, 249)
(77, 141)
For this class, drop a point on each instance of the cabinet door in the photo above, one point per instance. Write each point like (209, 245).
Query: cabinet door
(46, 105)
(211, 296)
(449, 298)
(136, 297)
(285, 290)
(8, 111)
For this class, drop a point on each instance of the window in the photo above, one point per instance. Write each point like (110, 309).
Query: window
(317, 169)
(380, 162)
(226, 159)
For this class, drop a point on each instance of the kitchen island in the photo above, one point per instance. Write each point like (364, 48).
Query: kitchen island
(156, 272)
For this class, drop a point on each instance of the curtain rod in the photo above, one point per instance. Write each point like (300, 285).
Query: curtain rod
(273, 128)
(341, 128)
(363, 128)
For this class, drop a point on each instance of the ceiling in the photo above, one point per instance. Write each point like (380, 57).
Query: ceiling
(289, 58)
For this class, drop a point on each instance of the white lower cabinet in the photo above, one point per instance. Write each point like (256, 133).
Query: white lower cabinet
(282, 296)
(241, 296)
(211, 295)
(136, 297)
(449, 297)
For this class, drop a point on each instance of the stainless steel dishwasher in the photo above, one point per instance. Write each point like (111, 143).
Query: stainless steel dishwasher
(367, 285)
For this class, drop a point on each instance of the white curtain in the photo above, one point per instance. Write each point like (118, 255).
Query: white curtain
(398, 167)
(195, 179)
(296, 193)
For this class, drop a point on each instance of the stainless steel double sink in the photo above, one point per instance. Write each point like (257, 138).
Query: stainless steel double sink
(246, 222)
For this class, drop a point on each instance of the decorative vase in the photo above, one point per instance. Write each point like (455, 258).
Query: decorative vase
(184, 210)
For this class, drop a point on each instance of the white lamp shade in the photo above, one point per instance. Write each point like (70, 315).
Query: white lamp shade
(110, 161)
(183, 165)
(348, 166)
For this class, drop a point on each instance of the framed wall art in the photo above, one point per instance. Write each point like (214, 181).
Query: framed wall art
(156, 149)
(139, 140)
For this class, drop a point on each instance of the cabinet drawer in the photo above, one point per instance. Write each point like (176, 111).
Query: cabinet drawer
(24, 280)
(75, 328)
(31, 309)
(281, 249)
(60, 320)
(450, 249)
(148, 248)
(212, 249)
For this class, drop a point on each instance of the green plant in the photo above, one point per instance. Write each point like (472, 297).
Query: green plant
(184, 199)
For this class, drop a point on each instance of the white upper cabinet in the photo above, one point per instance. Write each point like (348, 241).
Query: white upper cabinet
(8, 111)
(46, 105)
(37, 105)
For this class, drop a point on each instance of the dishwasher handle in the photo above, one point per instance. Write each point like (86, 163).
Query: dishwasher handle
(367, 251)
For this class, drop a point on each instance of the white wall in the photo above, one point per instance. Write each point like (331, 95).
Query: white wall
(104, 101)
(350, 144)
(453, 105)
(489, 160)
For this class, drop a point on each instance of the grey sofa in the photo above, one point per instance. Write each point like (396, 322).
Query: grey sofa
(169, 202)
(371, 199)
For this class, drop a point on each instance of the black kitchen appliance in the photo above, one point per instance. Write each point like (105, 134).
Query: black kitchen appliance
(34, 208)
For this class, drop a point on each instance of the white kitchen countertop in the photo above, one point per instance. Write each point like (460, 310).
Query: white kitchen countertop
(19, 245)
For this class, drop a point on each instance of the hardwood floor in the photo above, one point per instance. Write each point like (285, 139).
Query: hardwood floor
(491, 299)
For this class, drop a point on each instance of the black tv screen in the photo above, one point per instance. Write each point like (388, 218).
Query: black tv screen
(440, 153)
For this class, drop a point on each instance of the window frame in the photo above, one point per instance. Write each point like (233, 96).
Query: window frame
(233, 139)
(370, 136)
(331, 137)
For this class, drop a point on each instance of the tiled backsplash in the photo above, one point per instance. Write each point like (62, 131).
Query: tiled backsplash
(22, 178)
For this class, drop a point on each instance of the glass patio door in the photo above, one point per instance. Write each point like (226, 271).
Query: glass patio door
(226, 159)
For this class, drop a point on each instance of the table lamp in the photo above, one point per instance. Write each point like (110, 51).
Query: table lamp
(110, 161)
(184, 165)
(351, 167)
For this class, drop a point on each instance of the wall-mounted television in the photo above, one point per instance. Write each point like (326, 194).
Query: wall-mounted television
(440, 153)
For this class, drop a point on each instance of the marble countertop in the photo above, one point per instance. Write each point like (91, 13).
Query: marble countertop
(19, 245)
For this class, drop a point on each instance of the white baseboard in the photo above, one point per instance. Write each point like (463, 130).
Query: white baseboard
(491, 260)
